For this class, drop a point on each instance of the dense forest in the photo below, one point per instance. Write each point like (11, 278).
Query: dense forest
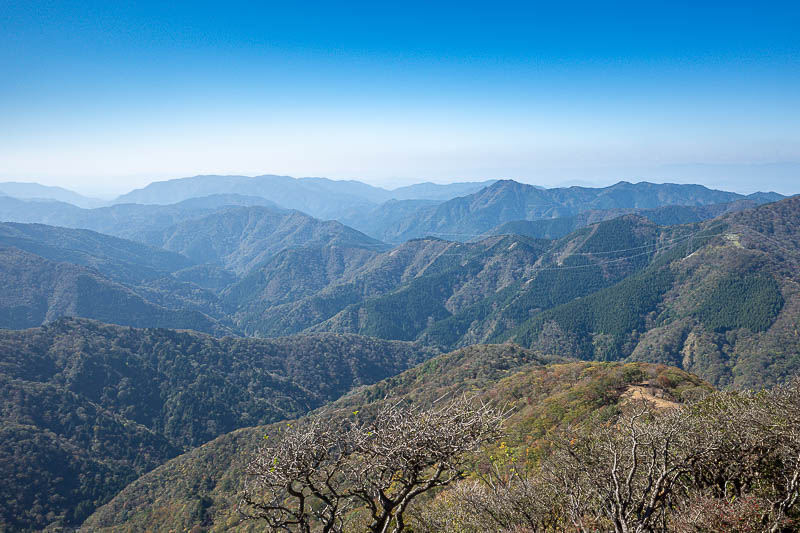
(88, 407)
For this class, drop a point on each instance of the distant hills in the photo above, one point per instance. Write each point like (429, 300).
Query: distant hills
(624, 287)
(319, 197)
(471, 216)
(35, 191)
(457, 211)
(52, 271)
(239, 238)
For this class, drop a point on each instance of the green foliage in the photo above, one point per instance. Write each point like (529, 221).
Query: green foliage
(749, 301)
(603, 321)
(542, 397)
(86, 407)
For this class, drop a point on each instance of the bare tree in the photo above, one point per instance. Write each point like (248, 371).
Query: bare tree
(756, 456)
(518, 503)
(319, 470)
(297, 483)
(730, 462)
(623, 474)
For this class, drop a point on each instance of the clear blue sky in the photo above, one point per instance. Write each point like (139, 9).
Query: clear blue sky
(113, 94)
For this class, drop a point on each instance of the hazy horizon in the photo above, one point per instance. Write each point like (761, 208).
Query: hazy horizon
(102, 98)
(714, 177)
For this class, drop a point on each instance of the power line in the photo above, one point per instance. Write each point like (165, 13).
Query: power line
(658, 246)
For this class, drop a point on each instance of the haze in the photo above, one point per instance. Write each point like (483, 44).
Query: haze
(101, 97)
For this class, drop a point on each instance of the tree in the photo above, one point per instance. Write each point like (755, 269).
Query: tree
(729, 462)
(320, 470)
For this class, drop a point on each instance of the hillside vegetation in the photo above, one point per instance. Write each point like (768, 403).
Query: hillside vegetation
(718, 297)
(200, 489)
(466, 217)
(87, 407)
(153, 346)
(722, 304)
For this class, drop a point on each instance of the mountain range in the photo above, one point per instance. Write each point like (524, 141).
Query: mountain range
(148, 345)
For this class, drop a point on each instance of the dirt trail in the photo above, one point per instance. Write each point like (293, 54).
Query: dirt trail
(650, 394)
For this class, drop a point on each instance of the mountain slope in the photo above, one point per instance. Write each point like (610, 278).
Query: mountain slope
(64, 454)
(239, 238)
(438, 191)
(478, 289)
(724, 303)
(35, 191)
(432, 277)
(87, 406)
(129, 221)
(202, 486)
(113, 257)
(555, 228)
(381, 222)
(38, 291)
(296, 273)
(471, 216)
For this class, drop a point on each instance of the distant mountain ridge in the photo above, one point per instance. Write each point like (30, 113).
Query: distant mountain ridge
(319, 197)
(239, 238)
(468, 217)
(457, 211)
(50, 272)
(36, 191)
(555, 228)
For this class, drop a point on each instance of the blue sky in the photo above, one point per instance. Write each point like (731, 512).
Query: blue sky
(105, 96)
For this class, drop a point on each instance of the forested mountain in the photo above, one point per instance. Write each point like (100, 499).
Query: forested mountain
(239, 238)
(230, 231)
(130, 221)
(296, 273)
(51, 271)
(474, 215)
(87, 407)
(555, 228)
(434, 290)
(203, 486)
(406, 288)
(37, 291)
(723, 302)
(621, 288)
(113, 257)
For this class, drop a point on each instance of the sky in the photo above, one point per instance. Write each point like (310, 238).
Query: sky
(102, 97)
